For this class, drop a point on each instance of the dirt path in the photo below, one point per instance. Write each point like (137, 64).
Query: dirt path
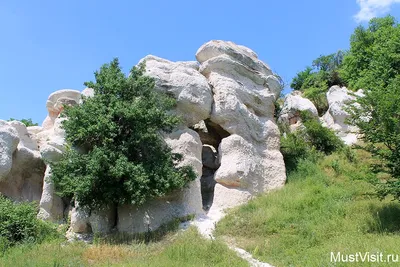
(206, 226)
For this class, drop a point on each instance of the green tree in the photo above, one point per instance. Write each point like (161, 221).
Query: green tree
(301, 77)
(315, 81)
(27, 122)
(374, 56)
(120, 155)
(373, 64)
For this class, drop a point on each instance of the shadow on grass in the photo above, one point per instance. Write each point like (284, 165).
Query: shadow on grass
(386, 219)
(158, 235)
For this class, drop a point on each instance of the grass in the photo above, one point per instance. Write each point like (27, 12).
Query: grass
(326, 207)
(175, 249)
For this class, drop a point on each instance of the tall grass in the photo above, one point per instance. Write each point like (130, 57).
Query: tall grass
(175, 249)
(326, 207)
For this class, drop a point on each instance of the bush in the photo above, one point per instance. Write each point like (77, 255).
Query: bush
(18, 224)
(308, 142)
(294, 148)
(320, 137)
(122, 156)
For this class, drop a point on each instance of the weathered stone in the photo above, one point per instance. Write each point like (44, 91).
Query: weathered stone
(339, 98)
(185, 83)
(293, 104)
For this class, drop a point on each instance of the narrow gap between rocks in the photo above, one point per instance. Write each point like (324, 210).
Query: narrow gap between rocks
(211, 135)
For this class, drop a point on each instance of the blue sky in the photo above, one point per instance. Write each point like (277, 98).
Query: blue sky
(50, 45)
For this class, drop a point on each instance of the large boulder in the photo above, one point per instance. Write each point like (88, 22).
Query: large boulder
(293, 104)
(339, 99)
(8, 144)
(185, 83)
(178, 204)
(96, 221)
(21, 167)
(245, 90)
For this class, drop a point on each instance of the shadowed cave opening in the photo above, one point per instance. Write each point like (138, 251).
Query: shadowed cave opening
(211, 135)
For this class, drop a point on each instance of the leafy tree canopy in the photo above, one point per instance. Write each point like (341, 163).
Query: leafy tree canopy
(373, 64)
(316, 80)
(374, 56)
(120, 156)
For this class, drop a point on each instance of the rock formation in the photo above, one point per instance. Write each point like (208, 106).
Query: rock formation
(21, 167)
(335, 118)
(228, 134)
(293, 104)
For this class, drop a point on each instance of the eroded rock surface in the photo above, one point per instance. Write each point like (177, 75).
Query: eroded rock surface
(21, 167)
(335, 118)
(245, 90)
(293, 104)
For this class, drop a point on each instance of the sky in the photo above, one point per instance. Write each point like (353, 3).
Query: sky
(46, 46)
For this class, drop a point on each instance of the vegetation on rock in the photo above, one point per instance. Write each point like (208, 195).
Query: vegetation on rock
(117, 153)
(308, 141)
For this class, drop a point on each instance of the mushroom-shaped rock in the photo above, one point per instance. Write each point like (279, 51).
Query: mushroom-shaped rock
(55, 104)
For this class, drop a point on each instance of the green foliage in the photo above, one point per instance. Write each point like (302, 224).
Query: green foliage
(316, 80)
(301, 77)
(122, 156)
(27, 122)
(373, 63)
(308, 142)
(18, 224)
(320, 137)
(295, 148)
(374, 58)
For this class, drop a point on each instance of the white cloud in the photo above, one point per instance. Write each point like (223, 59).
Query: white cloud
(372, 8)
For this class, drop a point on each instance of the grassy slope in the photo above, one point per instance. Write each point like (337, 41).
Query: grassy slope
(178, 249)
(324, 207)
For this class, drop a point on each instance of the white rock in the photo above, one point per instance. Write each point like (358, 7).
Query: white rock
(293, 104)
(51, 206)
(188, 86)
(56, 102)
(51, 142)
(88, 92)
(244, 89)
(8, 144)
(339, 99)
(246, 166)
(103, 220)
(21, 168)
(79, 221)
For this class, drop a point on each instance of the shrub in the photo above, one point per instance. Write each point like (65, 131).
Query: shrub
(295, 148)
(18, 223)
(307, 142)
(320, 137)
